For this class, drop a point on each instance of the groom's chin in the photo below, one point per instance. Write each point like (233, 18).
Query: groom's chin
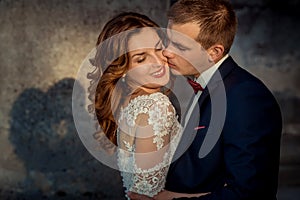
(175, 72)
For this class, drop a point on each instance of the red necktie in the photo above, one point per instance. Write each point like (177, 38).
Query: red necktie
(196, 86)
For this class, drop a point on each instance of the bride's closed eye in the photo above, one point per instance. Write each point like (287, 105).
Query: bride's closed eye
(141, 59)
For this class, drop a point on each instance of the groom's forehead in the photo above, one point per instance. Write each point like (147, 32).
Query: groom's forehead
(190, 29)
(178, 34)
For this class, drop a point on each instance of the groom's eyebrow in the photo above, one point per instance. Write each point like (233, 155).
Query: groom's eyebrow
(157, 44)
(180, 46)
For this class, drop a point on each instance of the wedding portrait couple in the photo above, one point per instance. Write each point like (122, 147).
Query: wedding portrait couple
(226, 143)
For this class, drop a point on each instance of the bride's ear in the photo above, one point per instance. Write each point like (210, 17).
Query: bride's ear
(216, 52)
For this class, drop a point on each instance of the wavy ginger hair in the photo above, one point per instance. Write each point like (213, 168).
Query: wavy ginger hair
(111, 59)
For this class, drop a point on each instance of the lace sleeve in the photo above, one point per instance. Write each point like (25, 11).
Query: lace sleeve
(150, 131)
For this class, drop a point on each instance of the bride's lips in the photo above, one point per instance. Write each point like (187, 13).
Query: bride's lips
(160, 73)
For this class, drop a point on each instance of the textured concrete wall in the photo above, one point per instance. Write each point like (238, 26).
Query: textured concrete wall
(268, 45)
(42, 44)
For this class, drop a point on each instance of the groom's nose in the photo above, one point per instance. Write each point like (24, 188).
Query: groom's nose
(168, 53)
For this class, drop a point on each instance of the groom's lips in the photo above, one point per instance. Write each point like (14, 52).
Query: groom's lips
(171, 65)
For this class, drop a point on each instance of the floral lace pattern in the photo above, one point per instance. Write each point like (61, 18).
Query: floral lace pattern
(161, 117)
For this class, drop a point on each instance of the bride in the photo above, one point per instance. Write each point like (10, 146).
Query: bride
(132, 104)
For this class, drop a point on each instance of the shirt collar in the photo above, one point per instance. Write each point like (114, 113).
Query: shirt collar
(205, 76)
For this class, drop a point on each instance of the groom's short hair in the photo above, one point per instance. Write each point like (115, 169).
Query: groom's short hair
(216, 19)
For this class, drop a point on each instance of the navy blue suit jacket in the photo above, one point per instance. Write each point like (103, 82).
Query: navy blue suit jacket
(245, 132)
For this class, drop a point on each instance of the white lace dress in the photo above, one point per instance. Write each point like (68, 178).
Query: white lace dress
(148, 134)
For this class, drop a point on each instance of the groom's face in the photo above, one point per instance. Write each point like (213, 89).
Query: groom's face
(185, 55)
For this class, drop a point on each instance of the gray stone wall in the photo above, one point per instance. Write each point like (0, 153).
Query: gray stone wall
(268, 45)
(42, 44)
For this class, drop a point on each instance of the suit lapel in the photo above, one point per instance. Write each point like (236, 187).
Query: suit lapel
(190, 132)
(216, 91)
(218, 78)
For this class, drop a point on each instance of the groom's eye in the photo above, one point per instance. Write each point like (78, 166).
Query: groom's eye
(180, 46)
(159, 46)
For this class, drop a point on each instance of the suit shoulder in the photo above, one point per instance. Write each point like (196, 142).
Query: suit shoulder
(241, 77)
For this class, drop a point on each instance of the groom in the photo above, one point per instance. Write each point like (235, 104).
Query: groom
(243, 132)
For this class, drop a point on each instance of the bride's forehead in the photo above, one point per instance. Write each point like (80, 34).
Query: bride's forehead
(145, 38)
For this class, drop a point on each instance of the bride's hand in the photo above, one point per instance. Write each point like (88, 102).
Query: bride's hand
(168, 195)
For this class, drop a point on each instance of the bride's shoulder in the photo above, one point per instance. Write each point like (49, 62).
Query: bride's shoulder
(149, 100)
(151, 105)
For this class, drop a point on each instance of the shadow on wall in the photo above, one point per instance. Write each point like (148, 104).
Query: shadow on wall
(45, 139)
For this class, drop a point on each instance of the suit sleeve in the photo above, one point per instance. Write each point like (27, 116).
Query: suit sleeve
(251, 139)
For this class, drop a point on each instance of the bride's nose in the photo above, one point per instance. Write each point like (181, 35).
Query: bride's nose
(158, 60)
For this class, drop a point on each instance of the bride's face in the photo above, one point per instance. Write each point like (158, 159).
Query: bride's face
(148, 67)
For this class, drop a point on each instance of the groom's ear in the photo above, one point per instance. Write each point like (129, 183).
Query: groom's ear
(216, 52)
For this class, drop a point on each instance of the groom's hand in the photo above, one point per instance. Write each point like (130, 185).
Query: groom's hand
(135, 196)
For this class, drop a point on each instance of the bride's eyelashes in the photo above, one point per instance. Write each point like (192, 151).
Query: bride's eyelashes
(141, 59)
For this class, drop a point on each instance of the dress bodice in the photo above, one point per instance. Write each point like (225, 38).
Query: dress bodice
(148, 133)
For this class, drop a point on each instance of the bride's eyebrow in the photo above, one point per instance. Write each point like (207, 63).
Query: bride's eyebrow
(138, 54)
(143, 53)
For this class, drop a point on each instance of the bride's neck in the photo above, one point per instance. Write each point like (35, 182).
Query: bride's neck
(136, 93)
(142, 91)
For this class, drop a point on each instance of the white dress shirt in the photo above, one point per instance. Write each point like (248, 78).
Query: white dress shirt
(203, 79)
